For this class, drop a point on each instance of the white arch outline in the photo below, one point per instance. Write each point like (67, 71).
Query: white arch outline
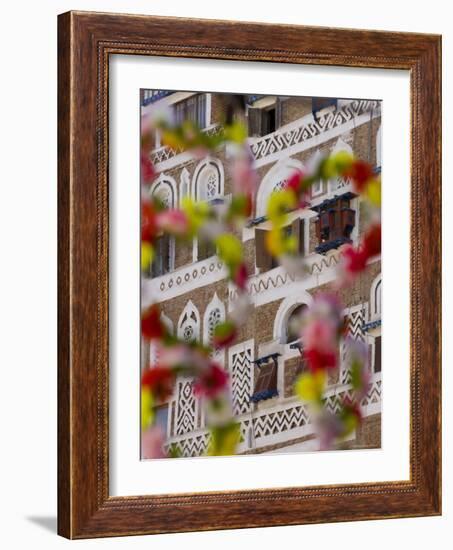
(168, 180)
(287, 306)
(281, 170)
(199, 171)
(375, 315)
(215, 303)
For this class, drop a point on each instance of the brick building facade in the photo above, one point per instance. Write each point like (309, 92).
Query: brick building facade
(286, 133)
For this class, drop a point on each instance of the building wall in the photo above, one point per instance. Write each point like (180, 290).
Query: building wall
(259, 328)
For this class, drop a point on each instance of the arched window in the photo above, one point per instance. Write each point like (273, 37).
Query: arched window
(189, 323)
(294, 324)
(214, 314)
(375, 299)
(287, 323)
(164, 189)
(208, 180)
(274, 180)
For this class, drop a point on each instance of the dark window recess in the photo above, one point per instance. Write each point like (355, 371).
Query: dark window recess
(336, 220)
(377, 354)
(294, 324)
(193, 109)
(263, 259)
(266, 120)
(266, 379)
(320, 103)
(162, 260)
(206, 249)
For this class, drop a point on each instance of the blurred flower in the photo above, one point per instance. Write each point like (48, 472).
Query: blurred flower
(318, 359)
(356, 353)
(354, 260)
(310, 386)
(173, 221)
(159, 381)
(229, 249)
(148, 172)
(210, 382)
(147, 407)
(153, 440)
(244, 175)
(224, 439)
(151, 324)
(329, 428)
(224, 334)
(240, 276)
(148, 222)
(372, 241)
(146, 256)
(350, 416)
(360, 172)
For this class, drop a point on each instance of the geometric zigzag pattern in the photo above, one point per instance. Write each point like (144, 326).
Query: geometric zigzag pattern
(355, 319)
(276, 422)
(280, 141)
(186, 408)
(240, 364)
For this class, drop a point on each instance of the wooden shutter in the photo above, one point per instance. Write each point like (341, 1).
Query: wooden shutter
(255, 122)
(377, 354)
(263, 259)
(297, 229)
(267, 378)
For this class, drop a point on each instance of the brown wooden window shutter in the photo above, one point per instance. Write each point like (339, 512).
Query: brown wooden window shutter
(297, 230)
(263, 259)
(267, 378)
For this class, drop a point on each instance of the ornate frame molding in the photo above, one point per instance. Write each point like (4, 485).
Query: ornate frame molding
(86, 40)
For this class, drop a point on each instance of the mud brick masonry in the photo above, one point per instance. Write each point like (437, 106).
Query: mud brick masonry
(286, 133)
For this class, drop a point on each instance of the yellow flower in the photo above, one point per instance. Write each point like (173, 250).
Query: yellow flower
(279, 204)
(373, 191)
(229, 249)
(147, 255)
(310, 386)
(147, 411)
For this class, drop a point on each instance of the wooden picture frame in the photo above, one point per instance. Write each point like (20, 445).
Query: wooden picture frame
(85, 41)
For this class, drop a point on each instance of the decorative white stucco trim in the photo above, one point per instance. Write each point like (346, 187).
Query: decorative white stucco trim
(285, 309)
(375, 298)
(280, 171)
(190, 317)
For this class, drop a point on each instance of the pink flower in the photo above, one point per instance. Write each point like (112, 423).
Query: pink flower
(173, 221)
(320, 334)
(153, 440)
(211, 382)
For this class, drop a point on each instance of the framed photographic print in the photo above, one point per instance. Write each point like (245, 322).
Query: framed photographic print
(249, 275)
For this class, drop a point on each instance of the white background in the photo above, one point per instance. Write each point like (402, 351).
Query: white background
(129, 476)
(28, 274)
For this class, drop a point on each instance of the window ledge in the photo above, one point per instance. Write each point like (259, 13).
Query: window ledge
(263, 395)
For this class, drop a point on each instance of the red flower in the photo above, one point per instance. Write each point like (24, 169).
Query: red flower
(354, 259)
(360, 172)
(372, 241)
(211, 382)
(318, 360)
(149, 224)
(160, 381)
(240, 276)
(152, 327)
(293, 182)
(147, 169)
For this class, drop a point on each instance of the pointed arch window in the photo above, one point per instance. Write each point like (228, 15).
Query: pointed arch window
(164, 189)
(214, 314)
(189, 323)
